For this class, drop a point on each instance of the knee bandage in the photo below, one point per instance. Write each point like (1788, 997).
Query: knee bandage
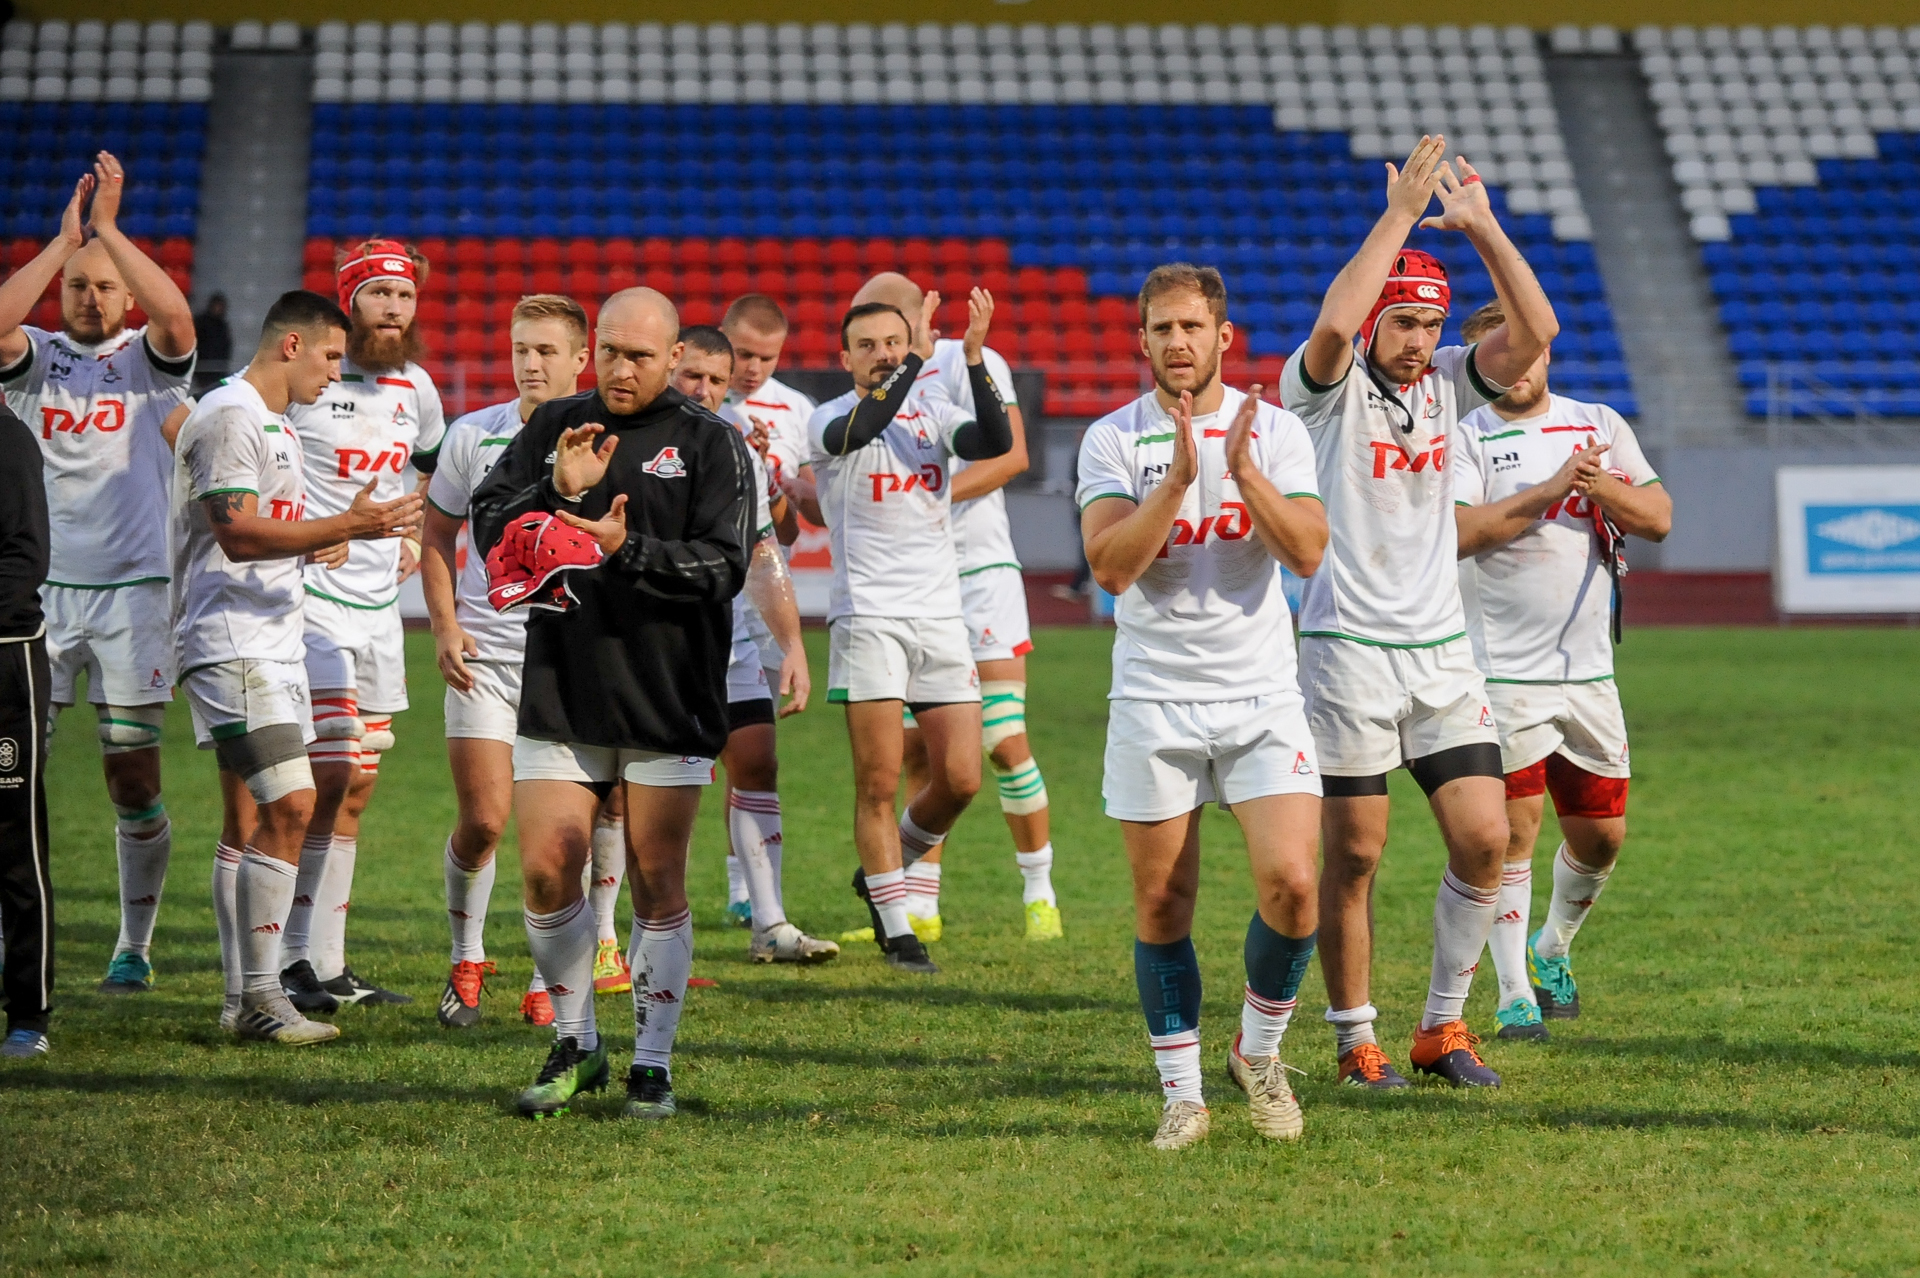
(1003, 711)
(126, 728)
(378, 738)
(1022, 789)
(141, 823)
(337, 729)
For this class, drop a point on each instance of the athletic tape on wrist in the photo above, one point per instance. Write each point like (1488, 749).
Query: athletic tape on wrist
(1003, 710)
(126, 728)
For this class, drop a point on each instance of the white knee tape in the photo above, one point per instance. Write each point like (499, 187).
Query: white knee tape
(1022, 789)
(378, 737)
(125, 728)
(338, 727)
(1003, 711)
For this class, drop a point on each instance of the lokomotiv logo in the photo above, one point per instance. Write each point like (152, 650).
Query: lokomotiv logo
(1389, 455)
(930, 478)
(110, 416)
(359, 461)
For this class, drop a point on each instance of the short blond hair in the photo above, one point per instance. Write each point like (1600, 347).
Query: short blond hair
(1483, 321)
(554, 306)
(1185, 277)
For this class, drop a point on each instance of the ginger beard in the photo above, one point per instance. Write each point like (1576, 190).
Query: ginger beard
(384, 338)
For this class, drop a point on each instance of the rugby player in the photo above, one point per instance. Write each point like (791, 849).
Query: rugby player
(993, 595)
(381, 416)
(1385, 664)
(773, 416)
(896, 633)
(628, 686)
(755, 839)
(96, 393)
(239, 534)
(479, 650)
(1543, 488)
(1191, 499)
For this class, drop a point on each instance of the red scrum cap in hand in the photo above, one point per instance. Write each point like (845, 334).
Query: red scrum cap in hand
(527, 566)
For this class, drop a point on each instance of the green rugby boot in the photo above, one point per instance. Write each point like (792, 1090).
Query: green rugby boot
(569, 1071)
(1553, 984)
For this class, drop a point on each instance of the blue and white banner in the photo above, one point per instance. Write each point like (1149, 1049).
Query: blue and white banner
(1849, 539)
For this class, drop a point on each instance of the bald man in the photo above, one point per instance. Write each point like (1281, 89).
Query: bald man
(97, 394)
(993, 599)
(627, 686)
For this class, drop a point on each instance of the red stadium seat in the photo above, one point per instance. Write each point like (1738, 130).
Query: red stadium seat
(656, 254)
(1033, 281)
(695, 252)
(177, 251)
(807, 282)
(1077, 344)
(843, 255)
(584, 281)
(1069, 281)
(843, 284)
(1073, 312)
(624, 275)
(916, 256)
(581, 252)
(810, 313)
(805, 253)
(470, 312)
(506, 252)
(543, 252)
(547, 279)
(767, 255)
(730, 253)
(432, 311)
(470, 254)
(619, 253)
(1110, 311)
(954, 255)
(471, 343)
(511, 281)
(318, 281)
(316, 252)
(734, 281)
(992, 253)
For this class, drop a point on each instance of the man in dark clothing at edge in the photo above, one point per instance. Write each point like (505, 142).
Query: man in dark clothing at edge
(26, 895)
(628, 686)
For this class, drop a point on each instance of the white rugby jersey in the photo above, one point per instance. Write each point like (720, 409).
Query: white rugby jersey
(887, 508)
(746, 618)
(473, 444)
(97, 410)
(366, 426)
(785, 411)
(1539, 609)
(1389, 576)
(981, 536)
(226, 611)
(1208, 621)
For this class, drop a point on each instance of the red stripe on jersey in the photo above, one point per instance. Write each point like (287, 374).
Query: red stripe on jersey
(1549, 430)
(763, 403)
(394, 381)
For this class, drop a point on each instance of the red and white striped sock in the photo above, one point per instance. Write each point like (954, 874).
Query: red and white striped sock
(1462, 919)
(914, 841)
(1262, 1022)
(1509, 939)
(314, 851)
(1177, 1057)
(1576, 886)
(226, 915)
(753, 827)
(923, 890)
(888, 892)
(661, 959)
(563, 943)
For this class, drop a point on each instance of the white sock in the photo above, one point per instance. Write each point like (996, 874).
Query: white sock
(1036, 875)
(538, 985)
(226, 914)
(662, 959)
(1177, 1057)
(753, 827)
(468, 894)
(563, 943)
(1509, 939)
(328, 949)
(923, 889)
(1576, 886)
(736, 881)
(888, 892)
(1462, 918)
(263, 893)
(1262, 1023)
(914, 841)
(143, 876)
(1352, 1026)
(296, 944)
(609, 867)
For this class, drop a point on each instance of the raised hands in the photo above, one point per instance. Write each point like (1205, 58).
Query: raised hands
(1186, 458)
(109, 184)
(1464, 205)
(979, 320)
(1240, 434)
(923, 330)
(1576, 474)
(576, 466)
(370, 520)
(610, 530)
(1411, 189)
(73, 225)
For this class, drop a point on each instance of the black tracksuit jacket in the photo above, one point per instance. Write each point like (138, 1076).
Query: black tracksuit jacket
(641, 661)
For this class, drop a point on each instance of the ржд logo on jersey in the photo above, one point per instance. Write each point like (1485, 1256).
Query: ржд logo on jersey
(1233, 523)
(930, 478)
(359, 461)
(667, 464)
(1389, 455)
(110, 416)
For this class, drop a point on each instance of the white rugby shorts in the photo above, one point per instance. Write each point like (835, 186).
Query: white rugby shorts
(1582, 721)
(247, 696)
(746, 677)
(490, 711)
(1166, 758)
(1373, 708)
(923, 661)
(600, 765)
(120, 636)
(995, 603)
(359, 648)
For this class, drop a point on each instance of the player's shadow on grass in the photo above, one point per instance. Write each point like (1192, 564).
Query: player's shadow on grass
(1812, 1054)
(294, 1092)
(923, 994)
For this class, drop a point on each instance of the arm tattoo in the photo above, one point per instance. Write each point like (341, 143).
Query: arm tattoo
(222, 507)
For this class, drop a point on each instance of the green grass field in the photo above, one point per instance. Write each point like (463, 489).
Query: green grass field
(1740, 1097)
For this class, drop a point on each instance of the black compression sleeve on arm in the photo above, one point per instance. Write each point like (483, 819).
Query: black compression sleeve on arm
(990, 433)
(868, 417)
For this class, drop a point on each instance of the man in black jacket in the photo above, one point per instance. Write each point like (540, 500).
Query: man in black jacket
(26, 896)
(628, 686)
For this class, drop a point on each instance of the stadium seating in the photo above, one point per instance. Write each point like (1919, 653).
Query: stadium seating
(1795, 150)
(1053, 164)
(68, 90)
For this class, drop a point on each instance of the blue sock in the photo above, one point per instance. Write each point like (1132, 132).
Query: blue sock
(1276, 963)
(1169, 980)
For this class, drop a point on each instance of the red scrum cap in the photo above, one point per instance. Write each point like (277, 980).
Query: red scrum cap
(370, 261)
(1418, 280)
